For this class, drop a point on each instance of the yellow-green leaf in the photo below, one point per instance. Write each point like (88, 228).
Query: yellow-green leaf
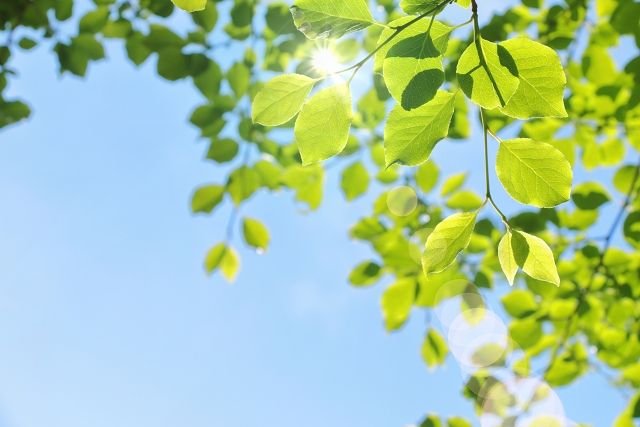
(322, 128)
(534, 173)
(190, 5)
(489, 80)
(450, 236)
(255, 234)
(281, 99)
(542, 81)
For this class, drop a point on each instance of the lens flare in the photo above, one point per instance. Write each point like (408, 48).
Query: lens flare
(325, 61)
(402, 201)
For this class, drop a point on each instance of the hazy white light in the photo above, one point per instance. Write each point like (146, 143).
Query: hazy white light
(325, 61)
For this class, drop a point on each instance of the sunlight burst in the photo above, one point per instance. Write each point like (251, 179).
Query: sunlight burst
(325, 61)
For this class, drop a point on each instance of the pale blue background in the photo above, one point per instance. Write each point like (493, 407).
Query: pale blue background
(106, 316)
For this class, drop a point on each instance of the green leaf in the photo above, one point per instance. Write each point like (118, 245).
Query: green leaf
(307, 182)
(465, 200)
(534, 173)
(239, 77)
(222, 150)
(190, 5)
(243, 182)
(330, 18)
(365, 274)
(542, 81)
(507, 258)
(95, 20)
(255, 234)
(225, 258)
(631, 229)
(520, 303)
(526, 332)
(397, 301)
(206, 198)
(410, 136)
(491, 82)
(355, 180)
(590, 195)
(208, 17)
(534, 256)
(12, 112)
(281, 99)
(431, 421)
(322, 128)
(26, 43)
(418, 6)
(453, 183)
(412, 68)
(434, 349)
(450, 236)
(137, 51)
(63, 9)
(208, 82)
(427, 176)
(458, 422)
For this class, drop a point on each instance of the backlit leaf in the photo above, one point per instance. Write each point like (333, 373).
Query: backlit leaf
(450, 236)
(281, 99)
(534, 173)
(322, 128)
(330, 18)
(542, 81)
(491, 82)
(410, 136)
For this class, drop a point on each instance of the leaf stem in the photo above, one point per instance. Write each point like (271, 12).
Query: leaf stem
(488, 197)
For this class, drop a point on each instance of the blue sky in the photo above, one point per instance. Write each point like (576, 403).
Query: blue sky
(106, 316)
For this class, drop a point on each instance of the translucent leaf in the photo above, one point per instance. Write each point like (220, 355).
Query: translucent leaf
(330, 18)
(534, 173)
(520, 303)
(397, 301)
(427, 176)
(355, 180)
(457, 421)
(281, 99)
(418, 6)
(225, 258)
(410, 136)
(190, 5)
(322, 128)
(465, 200)
(434, 349)
(307, 182)
(542, 81)
(526, 332)
(243, 182)
(206, 198)
(239, 77)
(453, 183)
(412, 68)
(449, 237)
(255, 234)
(490, 83)
(365, 274)
(507, 258)
(534, 256)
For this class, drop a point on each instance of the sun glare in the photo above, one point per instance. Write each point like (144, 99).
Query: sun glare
(325, 61)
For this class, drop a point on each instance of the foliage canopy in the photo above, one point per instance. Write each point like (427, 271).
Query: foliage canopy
(541, 79)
